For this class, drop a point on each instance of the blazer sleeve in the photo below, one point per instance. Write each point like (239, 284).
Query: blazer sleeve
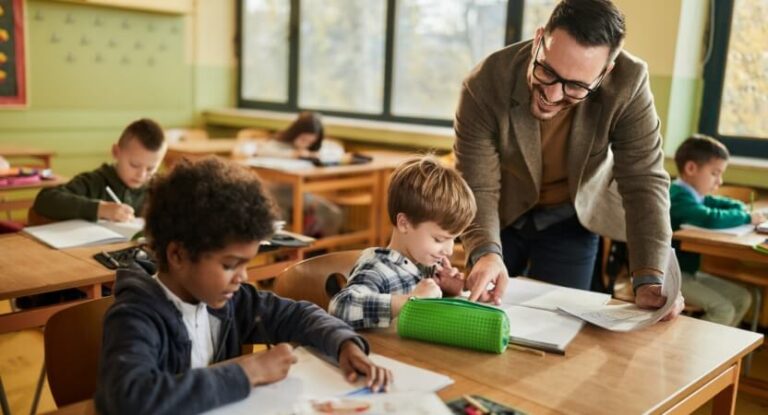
(477, 158)
(642, 181)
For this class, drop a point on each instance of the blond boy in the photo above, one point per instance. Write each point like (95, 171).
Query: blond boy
(429, 206)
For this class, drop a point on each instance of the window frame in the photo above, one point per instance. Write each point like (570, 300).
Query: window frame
(714, 81)
(512, 34)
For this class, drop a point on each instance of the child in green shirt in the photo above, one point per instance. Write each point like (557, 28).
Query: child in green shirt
(701, 162)
(137, 153)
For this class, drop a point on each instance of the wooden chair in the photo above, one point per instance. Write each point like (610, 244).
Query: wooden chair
(72, 349)
(316, 279)
(34, 218)
(741, 193)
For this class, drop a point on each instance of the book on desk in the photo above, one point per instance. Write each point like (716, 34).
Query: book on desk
(77, 232)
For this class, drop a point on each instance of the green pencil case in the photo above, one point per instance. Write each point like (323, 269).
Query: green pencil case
(456, 322)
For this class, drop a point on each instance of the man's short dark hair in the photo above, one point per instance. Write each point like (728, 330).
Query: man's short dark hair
(700, 149)
(204, 206)
(146, 131)
(590, 22)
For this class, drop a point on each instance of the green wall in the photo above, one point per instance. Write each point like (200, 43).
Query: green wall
(91, 71)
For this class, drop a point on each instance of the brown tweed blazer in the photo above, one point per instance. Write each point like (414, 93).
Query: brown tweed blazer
(617, 181)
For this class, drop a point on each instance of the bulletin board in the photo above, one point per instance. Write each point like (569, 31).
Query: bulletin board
(13, 85)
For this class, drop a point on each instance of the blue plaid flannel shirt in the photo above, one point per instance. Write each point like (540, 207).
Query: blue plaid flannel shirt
(366, 300)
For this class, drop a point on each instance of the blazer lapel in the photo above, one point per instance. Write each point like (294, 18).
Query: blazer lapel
(525, 134)
(580, 140)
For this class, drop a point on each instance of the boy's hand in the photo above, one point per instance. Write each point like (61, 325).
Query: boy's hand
(115, 212)
(448, 278)
(427, 288)
(757, 218)
(269, 366)
(353, 361)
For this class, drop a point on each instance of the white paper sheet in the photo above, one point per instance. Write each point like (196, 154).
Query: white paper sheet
(314, 378)
(535, 294)
(73, 233)
(627, 317)
(128, 229)
(389, 403)
(279, 163)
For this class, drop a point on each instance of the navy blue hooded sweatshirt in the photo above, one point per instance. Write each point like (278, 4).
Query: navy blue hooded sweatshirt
(145, 357)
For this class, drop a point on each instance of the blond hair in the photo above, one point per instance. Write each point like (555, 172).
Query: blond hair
(425, 190)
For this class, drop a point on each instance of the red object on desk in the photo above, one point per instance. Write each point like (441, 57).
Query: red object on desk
(19, 180)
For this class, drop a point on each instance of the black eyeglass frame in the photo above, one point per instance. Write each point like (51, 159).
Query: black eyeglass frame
(562, 81)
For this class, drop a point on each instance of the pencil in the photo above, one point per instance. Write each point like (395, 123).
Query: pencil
(480, 407)
(258, 325)
(111, 259)
(526, 350)
(113, 196)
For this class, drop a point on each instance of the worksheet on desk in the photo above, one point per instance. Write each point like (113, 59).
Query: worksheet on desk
(314, 378)
(628, 317)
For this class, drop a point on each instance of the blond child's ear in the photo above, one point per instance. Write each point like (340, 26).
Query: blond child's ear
(402, 223)
(115, 150)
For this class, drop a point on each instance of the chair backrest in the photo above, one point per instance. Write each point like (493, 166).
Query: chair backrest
(741, 193)
(34, 218)
(317, 279)
(72, 349)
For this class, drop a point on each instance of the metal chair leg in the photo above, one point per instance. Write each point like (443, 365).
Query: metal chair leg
(3, 399)
(757, 292)
(38, 390)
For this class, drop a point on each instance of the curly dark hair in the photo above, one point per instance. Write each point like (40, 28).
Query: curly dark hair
(204, 206)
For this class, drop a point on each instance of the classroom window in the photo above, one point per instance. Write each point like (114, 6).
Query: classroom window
(264, 46)
(341, 58)
(391, 60)
(736, 89)
(436, 44)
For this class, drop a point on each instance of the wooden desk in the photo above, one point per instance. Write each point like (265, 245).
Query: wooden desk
(373, 178)
(668, 368)
(197, 149)
(29, 267)
(8, 204)
(13, 151)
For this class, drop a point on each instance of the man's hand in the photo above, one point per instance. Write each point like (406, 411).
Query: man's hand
(489, 268)
(354, 362)
(649, 296)
(448, 278)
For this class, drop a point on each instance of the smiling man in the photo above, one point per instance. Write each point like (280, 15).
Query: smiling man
(559, 140)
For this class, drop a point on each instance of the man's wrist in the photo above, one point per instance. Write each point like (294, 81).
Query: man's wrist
(483, 251)
(645, 279)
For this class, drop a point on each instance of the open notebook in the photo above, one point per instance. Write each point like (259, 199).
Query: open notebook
(535, 320)
(77, 232)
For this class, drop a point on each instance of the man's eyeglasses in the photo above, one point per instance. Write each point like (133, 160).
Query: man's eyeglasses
(572, 89)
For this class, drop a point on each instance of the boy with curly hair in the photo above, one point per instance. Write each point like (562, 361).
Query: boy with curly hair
(204, 222)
